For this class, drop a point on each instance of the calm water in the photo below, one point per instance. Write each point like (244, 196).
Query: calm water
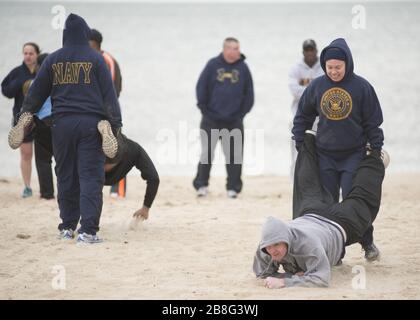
(162, 48)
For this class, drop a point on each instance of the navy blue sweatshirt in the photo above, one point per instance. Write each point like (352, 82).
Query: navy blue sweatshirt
(225, 90)
(11, 86)
(349, 111)
(76, 77)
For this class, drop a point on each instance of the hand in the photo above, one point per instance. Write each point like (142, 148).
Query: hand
(274, 283)
(142, 213)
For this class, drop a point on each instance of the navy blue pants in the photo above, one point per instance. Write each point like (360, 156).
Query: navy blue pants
(232, 136)
(80, 171)
(336, 172)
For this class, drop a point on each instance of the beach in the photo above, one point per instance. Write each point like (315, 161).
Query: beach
(192, 248)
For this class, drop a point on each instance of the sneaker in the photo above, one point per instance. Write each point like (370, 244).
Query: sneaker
(66, 234)
(85, 238)
(113, 195)
(27, 192)
(109, 141)
(232, 194)
(202, 192)
(372, 253)
(17, 133)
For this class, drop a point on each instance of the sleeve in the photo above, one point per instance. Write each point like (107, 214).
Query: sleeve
(11, 85)
(317, 274)
(248, 100)
(148, 173)
(40, 89)
(202, 88)
(372, 119)
(305, 115)
(295, 88)
(111, 104)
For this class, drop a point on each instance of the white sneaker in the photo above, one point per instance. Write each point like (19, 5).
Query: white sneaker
(109, 141)
(113, 195)
(232, 194)
(202, 192)
(85, 238)
(66, 234)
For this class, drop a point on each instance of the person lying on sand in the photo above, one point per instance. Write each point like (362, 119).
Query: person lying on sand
(308, 246)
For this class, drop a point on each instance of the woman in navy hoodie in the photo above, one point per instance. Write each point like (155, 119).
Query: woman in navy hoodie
(14, 86)
(349, 118)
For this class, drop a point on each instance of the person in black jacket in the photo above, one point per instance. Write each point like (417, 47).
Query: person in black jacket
(350, 116)
(130, 154)
(82, 94)
(15, 86)
(225, 94)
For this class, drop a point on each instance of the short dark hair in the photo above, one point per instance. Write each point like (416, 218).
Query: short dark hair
(96, 36)
(230, 39)
(34, 45)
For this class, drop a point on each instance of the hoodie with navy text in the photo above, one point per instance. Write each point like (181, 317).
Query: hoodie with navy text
(225, 90)
(76, 77)
(349, 111)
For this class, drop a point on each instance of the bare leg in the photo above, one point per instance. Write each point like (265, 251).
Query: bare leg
(26, 151)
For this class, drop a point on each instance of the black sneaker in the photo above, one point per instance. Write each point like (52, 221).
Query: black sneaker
(372, 253)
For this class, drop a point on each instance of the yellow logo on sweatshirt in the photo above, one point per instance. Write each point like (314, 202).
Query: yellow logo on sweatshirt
(336, 104)
(69, 73)
(222, 75)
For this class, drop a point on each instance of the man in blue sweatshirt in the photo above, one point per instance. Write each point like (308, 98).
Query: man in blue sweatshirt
(349, 117)
(225, 94)
(82, 95)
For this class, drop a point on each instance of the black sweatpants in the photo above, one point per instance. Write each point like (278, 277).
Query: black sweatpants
(43, 158)
(232, 136)
(357, 211)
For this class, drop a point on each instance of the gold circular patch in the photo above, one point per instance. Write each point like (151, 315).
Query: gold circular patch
(336, 104)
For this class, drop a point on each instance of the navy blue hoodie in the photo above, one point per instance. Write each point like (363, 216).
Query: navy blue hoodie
(76, 77)
(349, 111)
(11, 86)
(225, 90)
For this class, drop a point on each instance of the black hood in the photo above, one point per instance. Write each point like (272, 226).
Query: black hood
(339, 43)
(76, 31)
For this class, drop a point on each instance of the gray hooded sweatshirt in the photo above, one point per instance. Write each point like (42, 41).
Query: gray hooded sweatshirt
(314, 245)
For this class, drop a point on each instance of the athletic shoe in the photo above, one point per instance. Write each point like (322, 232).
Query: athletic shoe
(113, 195)
(85, 238)
(17, 133)
(232, 194)
(109, 141)
(202, 192)
(27, 192)
(372, 253)
(66, 234)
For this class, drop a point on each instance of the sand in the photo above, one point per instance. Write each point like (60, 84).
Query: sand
(193, 248)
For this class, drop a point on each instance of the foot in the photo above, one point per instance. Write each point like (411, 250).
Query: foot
(109, 141)
(66, 234)
(27, 192)
(113, 195)
(202, 192)
(372, 253)
(232, 194)
(17, 133)
(85, 238)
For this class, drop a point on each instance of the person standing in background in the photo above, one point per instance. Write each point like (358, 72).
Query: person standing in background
(225, 94)
(15, 86)
(301, 74)
(95, 42)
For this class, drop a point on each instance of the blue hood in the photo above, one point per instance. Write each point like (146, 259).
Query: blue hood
(76, 31)
(339, 43)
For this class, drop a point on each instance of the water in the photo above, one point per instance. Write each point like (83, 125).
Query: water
(162, 48)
